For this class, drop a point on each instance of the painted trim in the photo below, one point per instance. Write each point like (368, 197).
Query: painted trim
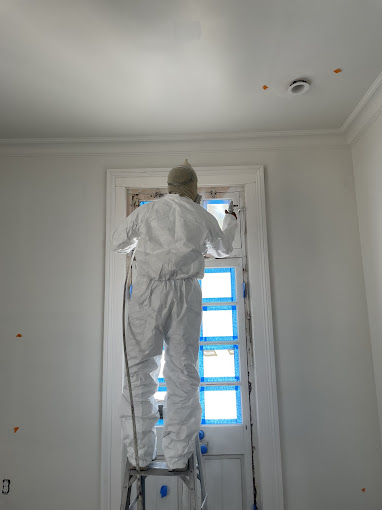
(269, 475)
(169, 138)
(173, 148)
(267, 419)
(366, 98)
(370, 110)
(105, 486)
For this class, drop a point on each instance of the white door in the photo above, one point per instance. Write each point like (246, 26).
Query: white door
(224, 387)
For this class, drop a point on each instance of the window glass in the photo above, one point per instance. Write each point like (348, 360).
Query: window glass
(217, 208)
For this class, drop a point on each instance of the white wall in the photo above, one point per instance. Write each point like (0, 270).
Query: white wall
(367, 160)
(52, 214)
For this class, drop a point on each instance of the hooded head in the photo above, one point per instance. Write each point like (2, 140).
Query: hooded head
(183, 181)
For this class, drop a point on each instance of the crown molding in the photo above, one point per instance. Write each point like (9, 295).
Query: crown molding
(170, 138)
(177, 145)
(364, 114)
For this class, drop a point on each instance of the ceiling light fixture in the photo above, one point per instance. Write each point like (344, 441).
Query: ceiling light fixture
(298, 87)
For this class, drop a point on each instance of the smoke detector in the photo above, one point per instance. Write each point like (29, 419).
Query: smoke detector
(298, 87)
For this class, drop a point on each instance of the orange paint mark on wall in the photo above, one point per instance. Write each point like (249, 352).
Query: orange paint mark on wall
(16, 429)
(337, 71)
(265, 87)
(19, 336)
(363, 490)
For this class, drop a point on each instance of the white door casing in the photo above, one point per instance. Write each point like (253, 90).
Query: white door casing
(264, 397)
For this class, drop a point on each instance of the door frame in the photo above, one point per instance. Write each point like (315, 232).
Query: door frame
(265, 418)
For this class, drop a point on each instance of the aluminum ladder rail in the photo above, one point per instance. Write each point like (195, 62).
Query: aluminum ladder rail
(189, 477)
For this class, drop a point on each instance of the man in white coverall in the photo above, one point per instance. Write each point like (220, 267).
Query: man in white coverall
(171, 237)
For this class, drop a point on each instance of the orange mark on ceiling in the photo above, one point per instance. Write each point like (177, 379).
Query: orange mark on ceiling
(265, 87)
(19, 336)
(16, 429)
(337, 70)
(363, 490)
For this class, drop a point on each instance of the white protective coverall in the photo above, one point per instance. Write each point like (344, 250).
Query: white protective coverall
(171, 235)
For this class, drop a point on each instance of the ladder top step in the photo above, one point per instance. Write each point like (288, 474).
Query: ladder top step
(158, 468)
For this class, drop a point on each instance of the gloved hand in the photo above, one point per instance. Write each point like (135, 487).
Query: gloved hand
(232, 213)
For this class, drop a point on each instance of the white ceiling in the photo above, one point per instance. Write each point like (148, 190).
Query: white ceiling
(116, 68)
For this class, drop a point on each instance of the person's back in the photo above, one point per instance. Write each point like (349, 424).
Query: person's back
(174, 234)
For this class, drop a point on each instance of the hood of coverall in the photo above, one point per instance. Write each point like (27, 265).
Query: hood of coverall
(183, 181)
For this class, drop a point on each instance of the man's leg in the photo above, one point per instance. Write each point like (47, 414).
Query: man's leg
(183, 411)
(144, 338)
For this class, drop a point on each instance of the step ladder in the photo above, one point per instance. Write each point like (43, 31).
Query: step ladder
(189, 477)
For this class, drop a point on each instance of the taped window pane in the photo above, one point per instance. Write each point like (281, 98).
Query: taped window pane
(219, 284)
(219, 363)
(220, 404)
(219, 324)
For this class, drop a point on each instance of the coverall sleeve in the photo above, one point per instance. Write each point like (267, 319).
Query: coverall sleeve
(125, 237)
(220, 241)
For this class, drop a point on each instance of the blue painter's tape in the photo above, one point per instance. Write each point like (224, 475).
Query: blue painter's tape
(219, 307)
(218, 339)
(218, 201)
(218, 269)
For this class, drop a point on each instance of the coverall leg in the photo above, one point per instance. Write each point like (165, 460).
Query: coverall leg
(182, 411)
(170, 310)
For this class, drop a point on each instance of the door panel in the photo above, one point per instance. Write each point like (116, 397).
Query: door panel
(224, 477)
